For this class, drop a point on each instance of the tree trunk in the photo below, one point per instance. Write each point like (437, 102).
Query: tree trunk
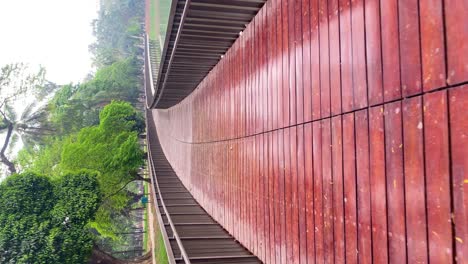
(3, 158)
(139, 178)
(100, 257)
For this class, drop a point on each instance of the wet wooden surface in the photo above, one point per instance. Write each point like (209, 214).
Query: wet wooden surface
(334, 131)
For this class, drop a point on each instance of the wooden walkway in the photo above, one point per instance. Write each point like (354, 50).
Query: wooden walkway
(192, 235)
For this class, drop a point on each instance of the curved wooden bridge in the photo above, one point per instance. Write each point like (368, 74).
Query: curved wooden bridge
(189, 231)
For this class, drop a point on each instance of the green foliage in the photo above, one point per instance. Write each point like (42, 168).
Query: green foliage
(72, 192)
(117, 30)
(44, 159)
(112, 149)
(45, 222)
(77, 106)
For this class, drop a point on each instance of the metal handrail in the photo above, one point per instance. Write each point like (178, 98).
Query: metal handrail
(176, 41)
(169, 252)
(148, 56)
(174, 231)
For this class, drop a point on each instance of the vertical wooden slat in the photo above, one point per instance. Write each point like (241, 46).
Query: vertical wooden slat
(282, 180)
(306, 60)
(309, 186)
(395, 183)
(359, 54)
(378, 184)
(363, 187)
(285, 62)
(292, 61)
(324, 59)
(458, 99)
(414, 180)
(288, 195)
(271, 196)
(390, 49)
(346, 56)
(409, 47)
(373, 51)
(276, 168)
(338, 208)
(456, 33)
(294, 195)
(318, 192)
(327, 191)
(349, 176)
(301, 192)
(335, 75)
(299, 62)
(314, 57)
(437, 177)
(432, 44)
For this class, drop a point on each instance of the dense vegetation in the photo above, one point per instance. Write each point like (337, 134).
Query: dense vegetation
(81, 151)
(45, 221)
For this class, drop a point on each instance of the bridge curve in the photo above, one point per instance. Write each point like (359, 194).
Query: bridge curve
(333, 131)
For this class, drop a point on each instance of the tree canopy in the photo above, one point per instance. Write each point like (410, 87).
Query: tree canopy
(45, 221)
(19, 121)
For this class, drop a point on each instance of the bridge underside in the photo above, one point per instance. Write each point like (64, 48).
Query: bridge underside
(333, 131)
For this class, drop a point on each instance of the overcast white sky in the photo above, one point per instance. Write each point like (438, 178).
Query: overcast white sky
(53, 33)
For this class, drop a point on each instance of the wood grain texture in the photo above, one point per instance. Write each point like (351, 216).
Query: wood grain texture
(334, 131)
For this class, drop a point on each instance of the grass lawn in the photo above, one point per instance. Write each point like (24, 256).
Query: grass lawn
(153, 20)
(146, 225)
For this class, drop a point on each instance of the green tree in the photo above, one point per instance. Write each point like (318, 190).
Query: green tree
(17, 82)
(45, 222)
(112, 149)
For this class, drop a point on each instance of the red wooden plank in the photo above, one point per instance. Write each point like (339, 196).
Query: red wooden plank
(346, 56)
(458, 99)
(437, 177)
(324, 59)
(327, 191)
(276, 192)
(457, 34)
(301, 191)
(288, 195)
(318, 192)
(373, 51)
(299, 62)
(285, 63)
(432, 44)
(414, 180)
(314, 56)
(275, 64)
(249, 76)
(266, 183)
(261, 194)
(409, 47)
(292, 61)
(359, 54)
(256, 247)
(306, 60)
(335, 75)
(281, 152)
(264, 70)
(349, 176)
(378, 184)
(338, 209)
(395, 183)
(271, 194)
(390, 50)
(294, 196)
(309, 191)
(269, 53)
(256, 82)
(363, 187)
